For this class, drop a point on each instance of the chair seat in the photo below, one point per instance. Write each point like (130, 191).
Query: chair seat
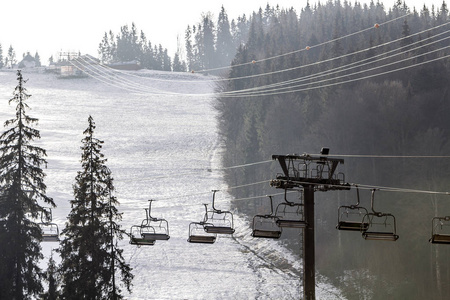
(155, 236)
(440, 239)
(291, 223)
(219, 229)
(266, 234)
(380, 236)
(142, 242)
(50, 238)
(202, 239)
(352, 226)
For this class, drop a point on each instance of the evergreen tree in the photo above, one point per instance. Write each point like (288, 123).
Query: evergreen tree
(167, 64)
(145, 52)
(406, 34)
(90, 258)
(1, 57)
(149, 57)
(159, 57)
(104, 49)
(22, 188)
(37, 59)
(51, 277)
(178, 65)
(127, 44)
(11, 58)
(189, 48)
(224, 46)
(240, 31)
(208, 38)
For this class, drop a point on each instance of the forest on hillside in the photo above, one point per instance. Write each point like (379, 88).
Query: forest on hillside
(209, 44)
(316, 96)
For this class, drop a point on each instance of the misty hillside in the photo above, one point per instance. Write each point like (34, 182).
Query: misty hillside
(372, 85)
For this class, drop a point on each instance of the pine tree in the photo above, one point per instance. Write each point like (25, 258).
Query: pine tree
(90, 258)
(208, 39)
(104, 49)
(51, 277)
(1, 56)
(11, 58)
(224, 46)
(178, 65)
(189, 48)
(167, 63)
(22, 188)
(37, 58)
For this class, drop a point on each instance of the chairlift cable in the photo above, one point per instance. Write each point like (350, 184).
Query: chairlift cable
(342, 68)
(239, 93)
(390, 156)
(236, 94)
(310, 47)
(288, 69)
(281, 91)
(103, 78)
(269, 161)
(339, 57)
(361, 186)
(344, 55)
(332, 58)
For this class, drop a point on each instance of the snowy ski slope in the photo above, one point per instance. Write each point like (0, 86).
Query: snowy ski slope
(162, 147)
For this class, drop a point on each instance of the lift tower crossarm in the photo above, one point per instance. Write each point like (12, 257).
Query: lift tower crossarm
(292, 177)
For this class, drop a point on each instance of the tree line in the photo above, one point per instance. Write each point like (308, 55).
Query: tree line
(9, 60)
(129, 45)
(209, 44)
(400, 114)
(91, 258)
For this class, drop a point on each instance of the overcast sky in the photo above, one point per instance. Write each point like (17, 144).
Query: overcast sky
(51, 26)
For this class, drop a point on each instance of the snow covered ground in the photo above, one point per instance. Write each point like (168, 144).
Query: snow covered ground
(162, 147)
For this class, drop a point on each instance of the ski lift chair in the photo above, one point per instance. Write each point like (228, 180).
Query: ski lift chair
(137, 238)
(197, 232)
(218, 221)
(154, 228)
(438, 235)
(289, 214)
(50, 231)
(350, 217)
(265, 226)
(384, 229)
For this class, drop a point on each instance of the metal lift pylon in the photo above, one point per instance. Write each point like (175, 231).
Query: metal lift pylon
(315, 173)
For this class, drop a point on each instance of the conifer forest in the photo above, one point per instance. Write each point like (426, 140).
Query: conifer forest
(402, 113)
(369, 82)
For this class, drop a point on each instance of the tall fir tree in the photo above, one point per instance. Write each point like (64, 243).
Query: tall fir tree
(207, 52)
(11, 58)
(189, 49)
(178, 65)
(104, 49)
(1, 57)
(51, 277)
(22, 192)
(225, 49)
(90, 257)
(37, 58)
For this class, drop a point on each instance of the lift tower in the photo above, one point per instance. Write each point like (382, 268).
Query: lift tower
(310, 173)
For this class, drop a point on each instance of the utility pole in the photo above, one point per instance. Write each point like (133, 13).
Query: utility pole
(312, 173)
